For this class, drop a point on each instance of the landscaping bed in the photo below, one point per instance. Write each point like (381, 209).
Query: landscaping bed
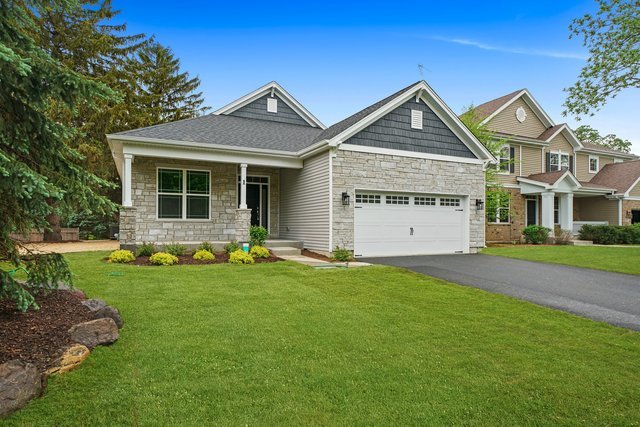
(221, 258)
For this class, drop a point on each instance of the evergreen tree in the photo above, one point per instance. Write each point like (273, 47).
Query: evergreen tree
(38, 168)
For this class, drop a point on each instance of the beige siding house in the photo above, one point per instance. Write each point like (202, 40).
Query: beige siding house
(554, 179)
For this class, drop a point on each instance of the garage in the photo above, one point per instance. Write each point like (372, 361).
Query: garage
(389, 224)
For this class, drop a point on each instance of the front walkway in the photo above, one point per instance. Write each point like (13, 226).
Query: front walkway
(609, 297)
(81, 246)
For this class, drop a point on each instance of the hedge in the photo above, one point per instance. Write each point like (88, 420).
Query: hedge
(611, 234)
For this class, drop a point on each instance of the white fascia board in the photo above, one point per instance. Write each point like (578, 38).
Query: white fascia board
(313, 149)
(520, 139)
(572, 178)
(573, 140)
(435, 104)
(270, 88)
(531, 102)
(410, 154)
(534, 183)
(115, 147)
(626, 193)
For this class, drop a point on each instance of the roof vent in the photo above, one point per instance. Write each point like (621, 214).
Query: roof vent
(416, 119)
(272, 105)
(521, 115)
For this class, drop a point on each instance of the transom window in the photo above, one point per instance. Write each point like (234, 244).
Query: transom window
(498, 208)
(368, 198)
(594, 164)
(449, 201)
(559, 161)
(424, 201)
(183, 194)
(397, 200)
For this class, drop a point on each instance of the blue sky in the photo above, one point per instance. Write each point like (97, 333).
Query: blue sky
(338, 57)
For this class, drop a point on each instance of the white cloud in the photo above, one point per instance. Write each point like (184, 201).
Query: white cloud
(515, 50)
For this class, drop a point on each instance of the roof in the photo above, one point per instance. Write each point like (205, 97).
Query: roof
(592, 185)
(342, 125)
(547, 177)
(619, 176)
(603, 149)
(232, 131)
(488, 108)
(544, 136)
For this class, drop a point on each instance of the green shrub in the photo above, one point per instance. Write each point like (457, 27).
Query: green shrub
(231, 247)
(147, 249)
(204, 255)
(611, 234)
(341, 254)
(206, 246)
(536, 234)
(240, 257)
(259, 252)
(175, 249)
(563, 237)
(121, 256)
(163, 258)
(257, 235)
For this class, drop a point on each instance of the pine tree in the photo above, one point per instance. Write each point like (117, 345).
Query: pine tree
(38, 167)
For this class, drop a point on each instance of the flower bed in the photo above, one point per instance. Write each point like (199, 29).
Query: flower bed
(220, 258)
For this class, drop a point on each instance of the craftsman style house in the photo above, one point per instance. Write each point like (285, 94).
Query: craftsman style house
(554, 179)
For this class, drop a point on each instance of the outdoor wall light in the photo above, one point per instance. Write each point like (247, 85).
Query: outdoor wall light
(479, 204)
(345, 199)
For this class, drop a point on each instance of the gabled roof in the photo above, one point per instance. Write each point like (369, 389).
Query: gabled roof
(551, 180)
(485, 110)
(606, 150)
(274, 89)
(620, 176)
(547, 177)
(550, 132)
(490, 109)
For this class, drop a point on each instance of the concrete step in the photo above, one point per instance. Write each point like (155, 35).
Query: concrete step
(285, 250)
(581, 243)
(282, 243)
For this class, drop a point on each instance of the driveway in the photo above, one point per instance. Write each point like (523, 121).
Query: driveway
(609, 297)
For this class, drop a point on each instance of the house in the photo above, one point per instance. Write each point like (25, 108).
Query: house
(402, 176)
(554, 179)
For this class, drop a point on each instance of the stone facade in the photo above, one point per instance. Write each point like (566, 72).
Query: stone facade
(627, 207)
(512, 231)
(243, 224)
(224, 198)
(127, 231)
(355, 170)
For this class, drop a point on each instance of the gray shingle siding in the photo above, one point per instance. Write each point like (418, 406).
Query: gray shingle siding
(394, 131)
(258, 110)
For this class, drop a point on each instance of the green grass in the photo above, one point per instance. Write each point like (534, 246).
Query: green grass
(617, 259)
(285, 344)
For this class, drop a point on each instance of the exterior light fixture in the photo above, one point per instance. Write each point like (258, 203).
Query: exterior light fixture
(345, 199)
(479, 204)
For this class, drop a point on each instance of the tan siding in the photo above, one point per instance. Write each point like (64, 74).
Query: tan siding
(597, 209)
(560, 143)
(582, 166)
(304, 203)
(531, 160)
(635, 191)
(506, 121)
(510, 178)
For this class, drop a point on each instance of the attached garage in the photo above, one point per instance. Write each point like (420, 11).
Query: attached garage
(389, 224)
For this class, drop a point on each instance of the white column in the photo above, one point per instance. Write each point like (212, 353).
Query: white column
(243, 186)
(126, 180)
(565, 211)
(547, 210)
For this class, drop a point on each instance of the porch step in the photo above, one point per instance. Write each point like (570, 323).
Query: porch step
(282, 243)
(580, 243)
(285, 250)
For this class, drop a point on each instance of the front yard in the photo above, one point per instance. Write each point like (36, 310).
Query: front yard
(285, 344)
(608, 258)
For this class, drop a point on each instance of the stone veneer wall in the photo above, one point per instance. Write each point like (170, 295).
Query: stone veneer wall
(627, 207)
(224, 185)
(355, 170)
(127, 231)
(510, 232)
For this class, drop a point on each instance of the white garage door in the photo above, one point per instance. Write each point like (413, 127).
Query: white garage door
(405, 224)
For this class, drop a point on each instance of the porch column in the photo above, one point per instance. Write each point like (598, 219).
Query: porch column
(547, 210)
(126, 180)
(565, 211)
(243, 186)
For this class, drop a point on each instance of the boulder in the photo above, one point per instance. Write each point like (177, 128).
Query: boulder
(71, 358)
(19, 383)
(95, 332)
(109, 312)
(94, 304)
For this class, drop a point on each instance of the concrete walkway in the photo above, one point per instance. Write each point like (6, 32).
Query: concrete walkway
(609, 297)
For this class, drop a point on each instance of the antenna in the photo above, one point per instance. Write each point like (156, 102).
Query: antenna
(421, 70)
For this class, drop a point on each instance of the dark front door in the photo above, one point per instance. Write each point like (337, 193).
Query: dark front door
(532, 212)
(635, 217)
(253, 202)
(257, 200)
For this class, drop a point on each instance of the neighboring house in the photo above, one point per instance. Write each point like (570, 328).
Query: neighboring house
(554, 179)
(403, 176)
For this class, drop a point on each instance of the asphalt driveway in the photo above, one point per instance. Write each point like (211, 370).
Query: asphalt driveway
(610, 297)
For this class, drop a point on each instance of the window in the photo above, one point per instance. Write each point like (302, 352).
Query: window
(594, 165)
(416, 119)
(272, 105)
(498, 208)
(397, 200)
(556, 211)
(368, 198)
(559, 161)
(183, 194)
(424, 201)
(504, 162)
(449, 201)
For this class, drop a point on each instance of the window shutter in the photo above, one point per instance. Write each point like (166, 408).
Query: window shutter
(416, 119)
(548, 162)
(512, 159)
(571, 164)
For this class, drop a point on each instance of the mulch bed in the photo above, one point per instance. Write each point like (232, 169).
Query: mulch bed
(40, 336)
(221, 258)
(311, 254)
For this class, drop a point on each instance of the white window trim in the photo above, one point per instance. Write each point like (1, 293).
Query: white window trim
(508, 171)
(560, 154)
(597, 159)
(183, 194)
(498, 209)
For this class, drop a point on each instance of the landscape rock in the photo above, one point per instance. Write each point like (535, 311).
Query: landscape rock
(94, 304)
(70, 359)
(110, 312)
(19, 383)
(95, 332)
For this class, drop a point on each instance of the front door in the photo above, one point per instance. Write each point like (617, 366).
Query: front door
(257, 200)
(532, 212)
(635, 217)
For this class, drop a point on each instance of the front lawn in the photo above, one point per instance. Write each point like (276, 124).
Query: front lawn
(282, 344)
(617, 259)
